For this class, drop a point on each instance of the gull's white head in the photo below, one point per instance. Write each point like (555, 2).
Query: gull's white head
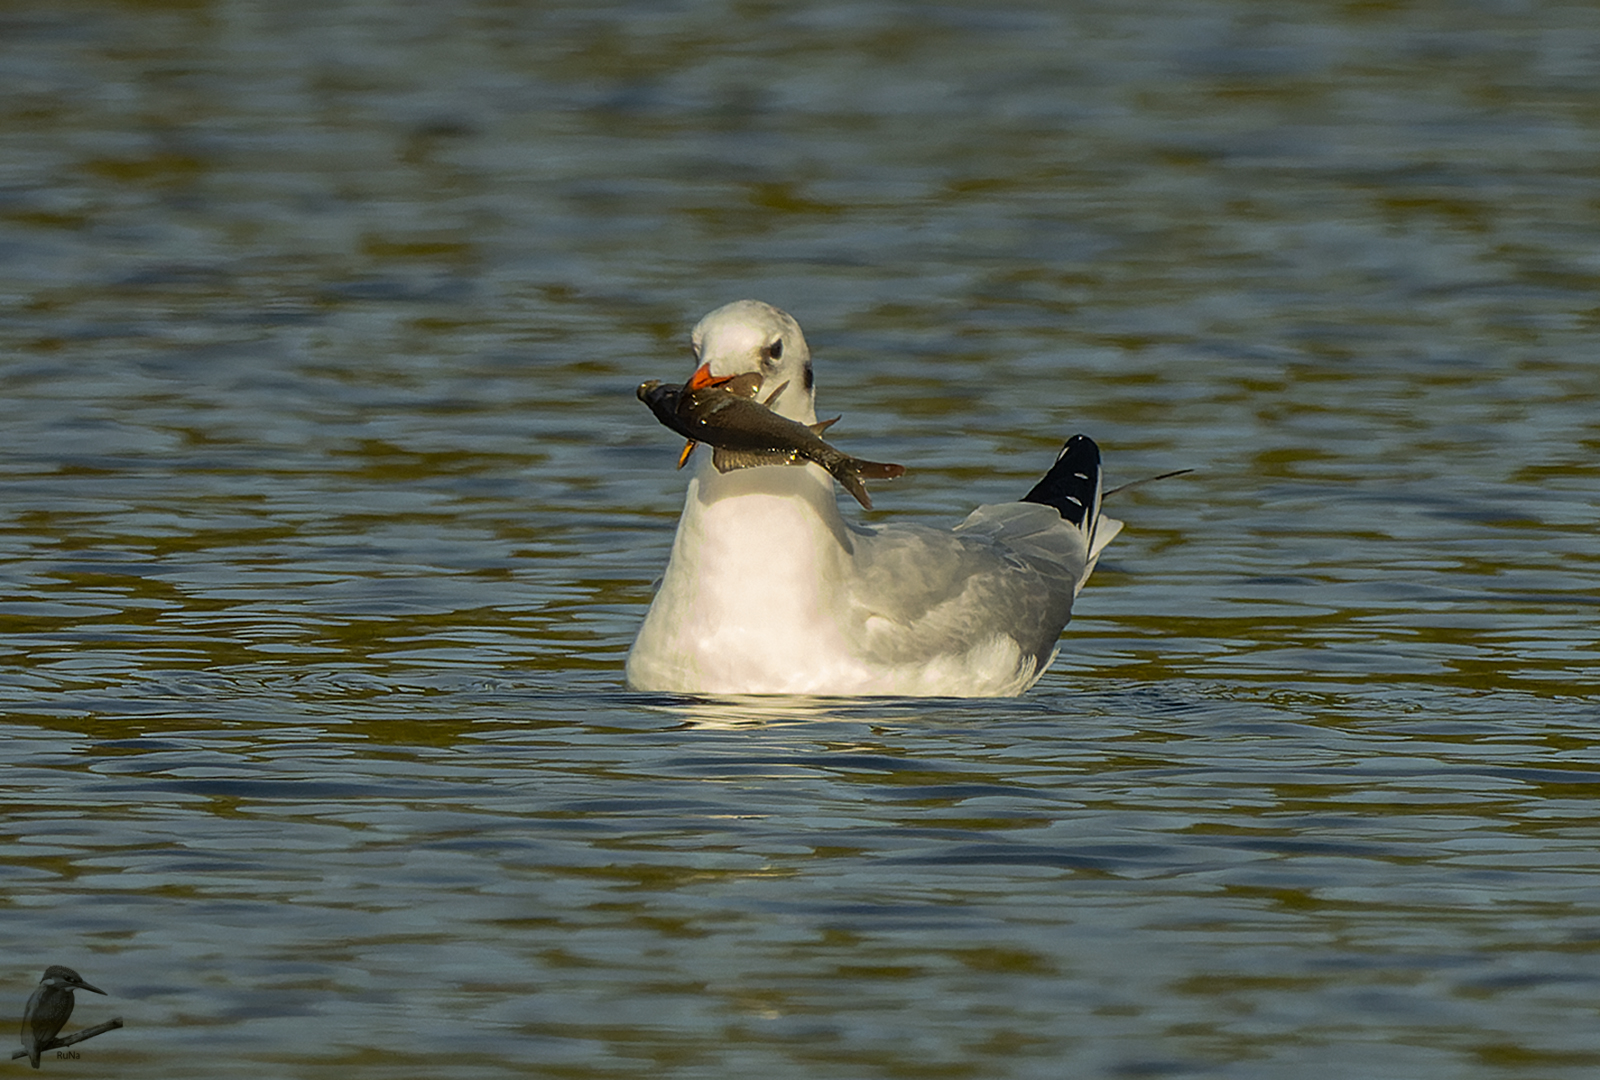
(748, 335)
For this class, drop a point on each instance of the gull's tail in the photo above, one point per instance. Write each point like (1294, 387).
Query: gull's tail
(1072, 487)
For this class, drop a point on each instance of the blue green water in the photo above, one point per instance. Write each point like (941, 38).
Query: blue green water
(327, 514)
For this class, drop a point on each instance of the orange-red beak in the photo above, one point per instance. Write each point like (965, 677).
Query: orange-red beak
(702, 377)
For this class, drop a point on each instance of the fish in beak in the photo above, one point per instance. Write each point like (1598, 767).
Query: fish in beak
(701, 378)
(745, 433)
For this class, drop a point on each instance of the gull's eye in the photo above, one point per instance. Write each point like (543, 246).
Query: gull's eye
(775, 350)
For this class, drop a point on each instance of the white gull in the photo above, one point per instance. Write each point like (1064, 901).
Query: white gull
(769, 590)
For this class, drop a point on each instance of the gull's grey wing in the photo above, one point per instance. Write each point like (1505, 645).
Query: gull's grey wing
(1010, 570)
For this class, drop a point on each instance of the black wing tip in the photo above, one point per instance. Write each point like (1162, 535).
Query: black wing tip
(1073, 483)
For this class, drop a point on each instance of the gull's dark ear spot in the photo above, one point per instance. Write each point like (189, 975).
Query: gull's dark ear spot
(811, 378)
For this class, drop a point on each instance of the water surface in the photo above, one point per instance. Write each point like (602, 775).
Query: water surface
(327, 514)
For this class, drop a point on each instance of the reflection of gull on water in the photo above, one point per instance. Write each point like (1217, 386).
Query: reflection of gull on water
(727, 713)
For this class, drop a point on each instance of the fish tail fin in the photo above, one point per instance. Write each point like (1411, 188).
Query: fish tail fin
(876, 470)
(850, 471)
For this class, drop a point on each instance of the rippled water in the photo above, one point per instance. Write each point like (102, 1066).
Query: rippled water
(327, 514)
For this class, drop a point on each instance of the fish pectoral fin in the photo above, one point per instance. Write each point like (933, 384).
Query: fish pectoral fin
(688, 448)
(823, 425)
(727, 460)
(774, 395)
(744, 385)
